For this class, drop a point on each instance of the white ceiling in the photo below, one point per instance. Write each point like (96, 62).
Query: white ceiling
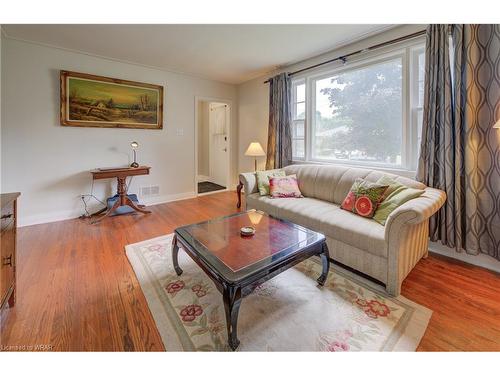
(226, 53)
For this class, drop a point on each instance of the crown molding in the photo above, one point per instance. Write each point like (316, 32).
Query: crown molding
(152, 67)
(344, 43)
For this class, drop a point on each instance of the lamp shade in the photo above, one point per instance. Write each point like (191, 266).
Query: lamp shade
(255, 149)
(497, 125)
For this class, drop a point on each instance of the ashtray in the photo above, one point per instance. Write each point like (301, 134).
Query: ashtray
(247, 231)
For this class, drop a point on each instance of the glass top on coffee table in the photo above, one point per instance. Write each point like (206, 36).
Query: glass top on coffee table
(219, 244)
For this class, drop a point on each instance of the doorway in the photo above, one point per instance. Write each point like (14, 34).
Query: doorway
(212, 128)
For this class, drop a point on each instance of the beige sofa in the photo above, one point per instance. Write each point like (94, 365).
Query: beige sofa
(387, 253)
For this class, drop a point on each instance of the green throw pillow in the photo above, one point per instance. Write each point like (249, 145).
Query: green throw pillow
(263, 179)
(396, 195)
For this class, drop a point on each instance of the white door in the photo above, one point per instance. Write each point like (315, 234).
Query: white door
(218, 143)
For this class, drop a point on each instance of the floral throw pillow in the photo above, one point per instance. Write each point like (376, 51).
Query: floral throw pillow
(364, 197)
(263, 179)
(284, 187)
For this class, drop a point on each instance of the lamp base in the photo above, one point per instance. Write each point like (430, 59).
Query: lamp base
(134, 165)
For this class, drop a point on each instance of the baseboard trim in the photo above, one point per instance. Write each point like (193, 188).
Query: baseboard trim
(73, 214)
(153, 201)
(481, 260)
(25, 221)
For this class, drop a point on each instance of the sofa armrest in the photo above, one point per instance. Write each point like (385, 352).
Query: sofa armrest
(249, 181)
(407, 236)
(415, 211)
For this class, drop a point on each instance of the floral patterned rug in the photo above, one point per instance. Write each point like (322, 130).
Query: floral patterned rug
(287, 313)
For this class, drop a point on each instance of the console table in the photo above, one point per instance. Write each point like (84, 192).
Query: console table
(121, 175)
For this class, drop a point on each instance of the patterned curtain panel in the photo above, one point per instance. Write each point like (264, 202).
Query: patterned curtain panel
(460, 151)
(279, 138)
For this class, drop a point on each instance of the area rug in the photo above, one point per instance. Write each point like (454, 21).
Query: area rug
(287, 313)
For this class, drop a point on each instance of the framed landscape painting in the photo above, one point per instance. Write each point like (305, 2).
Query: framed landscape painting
(95, 101)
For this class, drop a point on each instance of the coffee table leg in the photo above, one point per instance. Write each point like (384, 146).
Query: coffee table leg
(325, 259)
(232, 301)
(175, 252)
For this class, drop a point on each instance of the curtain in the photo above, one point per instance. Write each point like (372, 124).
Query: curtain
(279, 137)
(460, 150)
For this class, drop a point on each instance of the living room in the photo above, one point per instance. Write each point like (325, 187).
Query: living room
(179, 184)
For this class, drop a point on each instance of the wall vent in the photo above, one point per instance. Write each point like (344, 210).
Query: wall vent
(155, 190)
(145, 190)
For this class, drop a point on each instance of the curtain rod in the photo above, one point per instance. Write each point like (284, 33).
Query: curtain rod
(344, 57)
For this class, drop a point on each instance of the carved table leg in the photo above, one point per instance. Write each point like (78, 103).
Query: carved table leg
(175, 253)
(108, 212)
(232, 302)
(12, 299)
(138, 208)
(238, 191)
(325, 260)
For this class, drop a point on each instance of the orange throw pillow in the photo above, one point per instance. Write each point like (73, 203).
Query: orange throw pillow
(364, 197)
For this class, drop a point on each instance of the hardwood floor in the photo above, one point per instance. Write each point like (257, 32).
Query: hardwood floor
(77, 291)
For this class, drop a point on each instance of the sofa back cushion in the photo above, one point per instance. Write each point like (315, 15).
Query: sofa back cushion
(332, 183)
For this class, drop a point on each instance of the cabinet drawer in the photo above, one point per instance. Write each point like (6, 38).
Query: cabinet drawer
(7, 215)
(7, 258)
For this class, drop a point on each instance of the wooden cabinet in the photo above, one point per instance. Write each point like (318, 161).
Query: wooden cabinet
(8, 249)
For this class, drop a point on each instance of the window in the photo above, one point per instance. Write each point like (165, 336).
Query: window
(366, 112)
(417, 97)
(298, 119)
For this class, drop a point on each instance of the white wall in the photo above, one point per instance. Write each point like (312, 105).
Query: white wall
(254, 95)
(253, 101)
(49, 164)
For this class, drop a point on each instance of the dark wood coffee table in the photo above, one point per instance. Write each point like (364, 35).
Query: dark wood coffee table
(237, 264)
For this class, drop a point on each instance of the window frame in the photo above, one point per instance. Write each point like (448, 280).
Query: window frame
(408, 53)
(295, 83)
(415, 107)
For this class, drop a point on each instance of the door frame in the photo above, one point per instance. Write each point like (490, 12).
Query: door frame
(229, 102)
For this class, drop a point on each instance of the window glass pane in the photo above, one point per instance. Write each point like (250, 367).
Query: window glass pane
(421, 78)
(300, 111)
(358, 115)
(298, 148)
(298, 129)
(420, 93)
(421, 65)
(301, 93)
(420, 115)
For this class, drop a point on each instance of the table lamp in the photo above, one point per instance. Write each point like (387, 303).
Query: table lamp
(255, 149)
(134, 146)
(497, 125)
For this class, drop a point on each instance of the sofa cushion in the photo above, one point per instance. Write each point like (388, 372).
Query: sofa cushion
(396, 195)
(364, 197)
(284, 187)
(326, 218)
(263, 179)
(332, 183)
